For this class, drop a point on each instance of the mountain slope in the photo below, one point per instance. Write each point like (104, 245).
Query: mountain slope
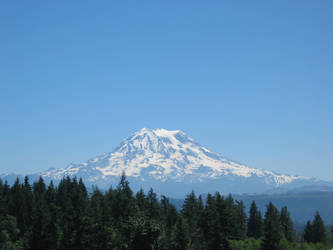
(174, 164)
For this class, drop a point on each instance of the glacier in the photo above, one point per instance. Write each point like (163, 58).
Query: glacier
(173, 164)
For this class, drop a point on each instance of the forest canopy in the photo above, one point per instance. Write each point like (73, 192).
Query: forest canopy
(66, 216)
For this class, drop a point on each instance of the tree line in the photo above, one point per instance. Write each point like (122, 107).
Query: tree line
(66, 216)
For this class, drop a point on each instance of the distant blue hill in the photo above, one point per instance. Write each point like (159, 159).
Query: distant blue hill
(302, 203)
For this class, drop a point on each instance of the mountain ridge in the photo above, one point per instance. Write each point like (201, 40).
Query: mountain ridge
(172, 162)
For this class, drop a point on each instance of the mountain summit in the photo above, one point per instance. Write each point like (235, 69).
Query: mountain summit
(165, 155)
(173, 163)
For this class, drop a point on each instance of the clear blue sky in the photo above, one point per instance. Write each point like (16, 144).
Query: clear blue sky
(252, 80)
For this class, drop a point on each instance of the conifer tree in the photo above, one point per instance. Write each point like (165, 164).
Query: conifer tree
(318, 229)
(190, 210)
(144, 232)
(28, 199)
(287, 225)
(16, 206)
(39, 189)
(153, 210)
(9, 233)
(226, 226)
(308, 232)
(180, 238)
(254, 226)
(65, 217)
(315, 231)
(241, 220)
(206, 220)
(4, 198)
(141, 201)
(169, 214)
(51, 231)
(272, 229)
(98, 214)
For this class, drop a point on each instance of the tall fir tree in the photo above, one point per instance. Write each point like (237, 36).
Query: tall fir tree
(169, 214)
(255, 224)
(272, 229)
(308, 232)
(190, 210)
(318, 229)
(180, 238)
(154, 211)
(287, 224)
(315, 231)
(240, 221)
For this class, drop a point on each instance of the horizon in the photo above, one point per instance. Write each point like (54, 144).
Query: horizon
(144, 129)
(251, 81)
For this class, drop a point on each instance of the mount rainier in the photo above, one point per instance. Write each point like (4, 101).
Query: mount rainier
(173, 164)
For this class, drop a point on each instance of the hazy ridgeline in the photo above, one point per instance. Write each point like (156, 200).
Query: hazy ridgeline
(66, 216)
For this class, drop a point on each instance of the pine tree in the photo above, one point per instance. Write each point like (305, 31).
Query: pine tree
(308, 232)
(214, 222)
(254, 226)
(141, 201)
(287, 225)
(37, 240)
(109, 201)
(16, 206)
(190, 210)
(9, 233)
(39, 189)
(318, 229)
(124, 208)
(65, 217)
(4, 198)
(153, 210)
(124, 205)
(272, 229)
(169, 214)
(315, 231)
(241, 219)
(27, 211)
(98, 215)
(180, 238)
(51, 231)
(144, 232)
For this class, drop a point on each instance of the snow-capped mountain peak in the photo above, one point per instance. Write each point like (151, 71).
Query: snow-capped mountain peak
(173, 163)
(165, 155)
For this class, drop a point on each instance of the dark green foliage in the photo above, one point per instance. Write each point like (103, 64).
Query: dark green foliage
(153, 206)
(308, 232)
(144, 233)
(248, 244)
(180, 238)
(190, 210)
(255, 224)
(272, 229)
(315, 231)
(65, 217)
(9, 233)
(240, 221)
(287, 225)
(318, 229)
(169, 215)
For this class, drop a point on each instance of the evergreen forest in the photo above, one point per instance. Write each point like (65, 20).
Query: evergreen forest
(66, 216)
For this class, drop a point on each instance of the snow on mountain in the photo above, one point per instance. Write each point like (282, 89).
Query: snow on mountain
(173, 163)
(165, 155)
